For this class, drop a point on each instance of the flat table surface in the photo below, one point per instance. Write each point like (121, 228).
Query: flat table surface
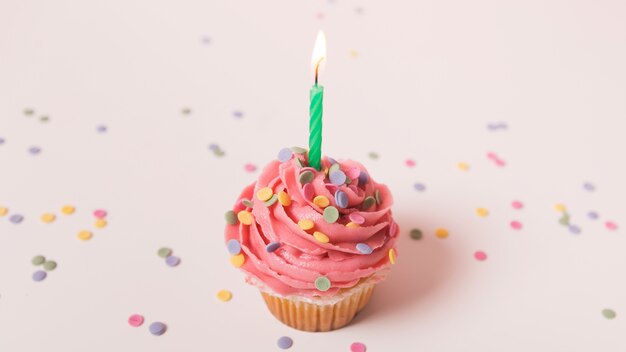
(119, 105)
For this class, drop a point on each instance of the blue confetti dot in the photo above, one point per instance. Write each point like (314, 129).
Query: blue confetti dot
(39, 275)
(157, 328)
(172, 261)
(16, 218)
(589, 187)
(573, 229)
(341, 198)
(272, 246)
(419, 186)
(102, 129)
(285, 154)
(238, 114)
(363, 248)
(34, 150)
(285, 342)
(337, 177)
(233, 246)
(363, 178)
(593, 215)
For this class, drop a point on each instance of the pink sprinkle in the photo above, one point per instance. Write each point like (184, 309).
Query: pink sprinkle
(500, 162)
(410, 162)
(516, 225)
(480, 255)
(356, 218)
(100, 213)
(611, 225)
(358, 347)
(353, 172)
(135, 320)
(492, 155)
(517, 204)
(250, 167)
(308, 191)
(393, 229)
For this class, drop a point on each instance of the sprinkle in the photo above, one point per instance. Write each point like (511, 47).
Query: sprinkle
(589, 187)
(237, 260)
(285, 155)
(230, 217)
(373, 155)
(331, 214)
(363, 248)
(321, 201)
(611, 225)
(49, 265)
(272, 246)
(410, 162)
(48, 218)
(574, 230)
(334, 166)
(219, 153)
(157, 328)
(368, 202)
(245, 217)
(185, 111)
(135, 320)
(233, 246)
(100, 213)
(44, 118)
(238, 114)
(39, 275)
(284, 342)
(38, 260)
(358, 347)
(356, 218)
(560, 208)
(516, 204)
(101, 129)
(353, 172)
(392, 256)
(341, 198)
(34, 150)
(249, 167)
(100, 223)
(214, 147)
(271, 201)
(224, 295)
(306, 177)
(164, 252)
(352, 225)
(482, 212)
(306, 224)
(463, 166)
(593, 215)
(564, 220)
(28, 111)
(172, 261)
(264, 194)
(441, 233)
(419, 187)
(3, 211)
(308, 191)
(284, 198)
(321, 237)
(322, 283)
(2, 140)
(480, 256)
(16, 218)
(393, 229)
(377, 197)
(416, 234)
(68, 210)
(298, 150)
(609, 313)
(364, 178)
(85, 235)
(247, 203)
(516, 225)
(337, 177)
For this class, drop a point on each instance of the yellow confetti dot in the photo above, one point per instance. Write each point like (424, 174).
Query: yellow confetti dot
(224, 295)
(3, 211)
(354, 53)
(85, 235)
(482, 212)
(560, 208)
(321, 201)
(100, 223)
(306, 224)
(392, 256)
(68, 210)
(48, 218)
(264, 193)
(441, 233)
(284, 198)
(321, 237)
(463, 166)
(245, 217)
(352, 225)
(237, 260)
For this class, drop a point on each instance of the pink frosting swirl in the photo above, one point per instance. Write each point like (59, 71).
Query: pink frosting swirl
(353, 252)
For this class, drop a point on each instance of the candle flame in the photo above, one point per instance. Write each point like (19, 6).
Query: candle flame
(319, 54)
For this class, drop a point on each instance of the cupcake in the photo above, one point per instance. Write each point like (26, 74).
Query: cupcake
(315, 243)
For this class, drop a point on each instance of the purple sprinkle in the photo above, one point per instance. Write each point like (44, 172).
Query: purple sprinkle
(574, 229)
(331, 160)
(214, 147)
(157, 328)
(272, 246)
(363, 248)
(2, 140)
(238, 114)
(419, 186)
(101, 129)
(589, 187)
(337, 177)
(172, 261)
(233, 247)
(285, 342)
(206, 40)
(363, 178)
(39, 275)
(497, 126)
(341, 198)
(393, 229)
(284, 155)
(593, 215)
(16, 218)
(34, 150)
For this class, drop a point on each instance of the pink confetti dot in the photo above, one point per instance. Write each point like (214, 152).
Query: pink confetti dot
(611, 225)
(135, 320)
(500, 162)
(516, 225)
(410, 162)
(249, 167)
(358, 347)
(480, 255)
(492, 155)
(100, 213)
(517, 204)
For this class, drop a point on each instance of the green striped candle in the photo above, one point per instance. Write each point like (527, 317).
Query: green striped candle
(316, 96)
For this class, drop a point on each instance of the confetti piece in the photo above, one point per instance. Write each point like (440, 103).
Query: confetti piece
(363, 248)
(358, 347)
(322, 283)
(393, 229)
(272, 246)
(249, 167)
(49, 265)
(39, 275)
(377, 197)
(237, 260)
(574, 230)
(38, 260)
(560, 208)
(34, 150)
(482, 212)
(609, 313)
(135, 320)
(264, 193)
(516, 225)
(164, 252)
(231, 218)
(28, 112)
(271, 201)
(284, 342)
(308, 191)
(337, 177)
(245, 217)
(100, 223)
(48, 218)
(497, 126)
(2, 140)
(516, 204)
(172, 261)
(352, 225)
(233, 246)
(463, 166)
(68, 210)
(85, 235)
(392, 256)
(356, 218)
(16, 218)
(409, 163)
(238, 114)
(185, 111)
(321, 237)
(321, 201)
(611, 225)
(354, 53)
(368, 202)
(101, 129)
(4, 211)
(285, 155)
(331, 214)
(306, 224)
(416, 234)
(441, 233)
(157, 328)
(44, 118)
(353, 173)
(100, 213)
(247, 203)
(480, 256)
(341, 199)
(373, 155)
(306, 177)
(593, 215)
(564, 220)
(496, 159)
(587, 186)
(419, 187)
(224, 295)
(284, 199)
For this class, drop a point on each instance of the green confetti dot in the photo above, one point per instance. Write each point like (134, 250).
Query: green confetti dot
(331, 214)
(306, 177)
(334, 167)
(164, 252)
(373, 155)
(50, 265)
(377, 196)
(28, 111)
(271, 201)
(322, 283)
(368, 202)
(609, 313)
(416, 234)
(298, 150)
(219, 152)
(186, 111)
(231, 217)
(247, 202)
(38, 260)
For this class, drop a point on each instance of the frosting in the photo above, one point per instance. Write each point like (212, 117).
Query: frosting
(296, 259)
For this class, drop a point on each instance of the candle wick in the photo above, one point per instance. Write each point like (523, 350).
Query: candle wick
(317, 68)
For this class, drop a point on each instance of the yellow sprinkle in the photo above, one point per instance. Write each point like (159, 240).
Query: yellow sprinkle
(354, 53)
(321, 237)
(224, 295)
(321, 201)
(560, 208)
(100, 223)
(326, 172)
(245, 217)
(284, 198)
(85, 235)
(48, 218)
(68, 210)
(463, 166)
(392, 256)
(306, 224)
(482, 212)
(352, 225)
(264, 193)
(3, 211)
(441, 233)
(237, 260)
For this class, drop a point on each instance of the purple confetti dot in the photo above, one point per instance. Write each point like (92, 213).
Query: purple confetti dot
(272, 246)
(233, 246)
(214, 147)
(2, 140)
(589, 187)
(593, 215)
(101, 129)
(172, 261)
(16, 218)
(157, 328)
(337, 177)
(363, 248)
(284, 342)
(206, 40)
(238, 114)
(341, 198)
(573, 229)
(363, 178)
(419, 186)
(34, 150)
(331, 160)
(284, 155)
(39, 275)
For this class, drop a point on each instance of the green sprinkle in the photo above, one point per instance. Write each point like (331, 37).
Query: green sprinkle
(38, 260)
(331, 214)
(368, 202)
(44, 118)
(608, 313)
(564, 220)
(271, 201)
(186, 111)
(164, 252)
(219, 152)
(231, 218)
(247, 202)
(322, 283)
(306, 177)
(298, 150)
(377, 195)
(50, 265)
(334, 167)
(416, 234)
(28, 112)
(373, 155)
